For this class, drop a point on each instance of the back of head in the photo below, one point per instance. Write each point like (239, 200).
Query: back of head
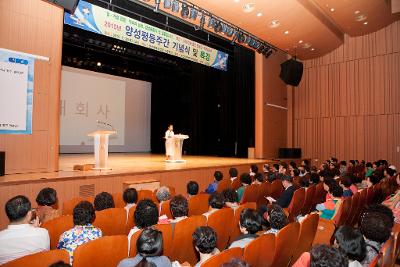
(17, 208)
(335, 189)
(216, 200)
(380, 208)
(150, 243)
(296, 172)
(324, 256)
(314, 178)
(205, 239)
(346, 181)
(163, 194)
(235, 263)
(276, 166)
(103, 201)
(259, 177)
(250, 220)
(230, 195)
(60, 264)
(145, 263)
(375, 226)
(233, 172)
(254, 168)
(179, 206)
(130, 195)
(287, 178)
(218, 176)
(245, 178)
(146, 214)
(192, 188)
(351, 242)
(47, 197)
(84, 213)
(276, 216)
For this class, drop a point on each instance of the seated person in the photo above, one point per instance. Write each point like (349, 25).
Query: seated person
(287, 195)
(60, 264)
(304, 181)
(276, 217)
(235, 262)
(274, 174)
(253, 170)
(322, 256)
(246, 180)
(314, 178)
(149, 248)
(216, 202)
(376, 228)
(283, 167)
(192, 189)
(328, 209)
(205, 242)
(22, 236)
(146, 215)
(83, 230)
(345, 182)
(130, 197)
(231, 198)
(250, 224)
(351, 242)
(47, 205)
(103, 201)
(214, 185)
(372, 180)
(393, 201)
(163, 194)
(179, 208)
(258, 178)
(233, 173)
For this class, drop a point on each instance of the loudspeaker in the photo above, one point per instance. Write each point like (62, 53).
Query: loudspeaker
(2, 163)
(291, 72)
(289, 153)
(68, 5)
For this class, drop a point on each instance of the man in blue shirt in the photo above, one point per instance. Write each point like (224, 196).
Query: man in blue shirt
(214, 185)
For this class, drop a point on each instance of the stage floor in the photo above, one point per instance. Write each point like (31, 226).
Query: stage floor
(126, 163)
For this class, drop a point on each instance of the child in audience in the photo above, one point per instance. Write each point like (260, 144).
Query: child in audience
(103, 201)
(246, 180)
(192, 189)
(130, 197)
(351, 242)
(231, 198)
(205, 242)
(372, 180)
(276, 217)
(179, 208)
(334, 197)
(214, 185)
(47, 202)
(258, 179)
(250, 224)
(216, 202)
(345, 182)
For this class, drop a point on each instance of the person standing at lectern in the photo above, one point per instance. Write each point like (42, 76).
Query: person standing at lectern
(169, 144)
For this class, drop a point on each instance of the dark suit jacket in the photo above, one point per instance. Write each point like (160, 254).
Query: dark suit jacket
(286, 197)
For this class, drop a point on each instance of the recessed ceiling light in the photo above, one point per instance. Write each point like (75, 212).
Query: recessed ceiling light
(366, 22)
(312, 49)
(249, 7)
(357, 12)
(332, 9)
(236, 1)
(274, 23)
(301, 41)
(306, 45)
(259, 14)
(361, 17)
(286, 32)
(99, 63)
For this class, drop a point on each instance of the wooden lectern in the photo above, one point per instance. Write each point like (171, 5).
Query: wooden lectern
(101, 148)
(177, 141)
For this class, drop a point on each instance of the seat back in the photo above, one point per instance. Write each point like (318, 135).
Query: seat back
(182, 239)
(250, 194)
(284, 245)
(260, 252)
(343, 214)
(224, 184)
(146, 194)
(223, 257)
(387, 260)
(308, 200)
(167, 233)
(171, 191)
(165, 209)
(264, 190)
(355, 199)
(370, 195)
(308, 229)
(320, 194)
(69, 205)
(396, 240)
(235, 231)
(236, 184)
(132, 243)
(222, 222)
(57, 227)
(361, 206)
(111, 221)
(41, 259)
(324, 233)
(276, 189)
(296, 204)
(130, 220)
(105, 251)
(198, 204)
(118, 200)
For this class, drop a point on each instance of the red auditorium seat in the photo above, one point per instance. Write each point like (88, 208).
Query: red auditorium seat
(223, 257)
(57, 227)
(41, 259)
(260, 252)
(198, 204)
(111, 221)
(284, 245)
(222, 222)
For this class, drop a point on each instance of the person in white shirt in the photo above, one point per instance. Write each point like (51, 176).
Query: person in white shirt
(23, 235)
(169, 144)
(130, 197)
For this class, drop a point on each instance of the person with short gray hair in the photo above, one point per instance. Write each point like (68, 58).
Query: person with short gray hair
(163, 194)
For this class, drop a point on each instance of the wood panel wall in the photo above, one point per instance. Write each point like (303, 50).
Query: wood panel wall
(348, 102)
(35, 27)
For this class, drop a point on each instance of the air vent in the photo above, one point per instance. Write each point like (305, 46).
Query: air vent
(86, 190)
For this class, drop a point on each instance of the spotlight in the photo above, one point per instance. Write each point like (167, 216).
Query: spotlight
(175, 6)
(193, 13)
(211, 22)
(184, 11)
(167, 4)
(218, 27)
(157, 6)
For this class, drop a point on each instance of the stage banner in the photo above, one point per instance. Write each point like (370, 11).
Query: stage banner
(102, 21)
(16, 93)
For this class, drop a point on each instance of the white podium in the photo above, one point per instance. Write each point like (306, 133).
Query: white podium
(101, 148)
(177, 143)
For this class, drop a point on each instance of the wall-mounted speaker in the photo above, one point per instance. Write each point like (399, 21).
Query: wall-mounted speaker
(68, 5)
(289, 153)
(2, 163)
(291, 72)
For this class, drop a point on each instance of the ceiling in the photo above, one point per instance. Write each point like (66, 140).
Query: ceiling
(307, 28)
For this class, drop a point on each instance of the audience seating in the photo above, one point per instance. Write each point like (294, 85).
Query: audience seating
(386, 259)
(57, 227)
(236, 184)
(69, 205)
(260, 252)
(165, 209)
(146, 194)
(250, 194)
(343, 215)
(130, 220)
(132, 243)
(224, 184)
(223, 257)
(105, 251)
(361, 205)
(171, 191)
(308, 229)
(355, 201)
(320, 194)
(111, 221)
(396, 240)
(222, 222)
(324, 233)
(370, 195)
(374, 262)
(276, 189)
(285, 245)
(263, 191)
(235, 232)
(41, 259)
(308, 200)
(118, 200)
(167, 233)
(182, 239)
(198, 204)
(296, 204)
